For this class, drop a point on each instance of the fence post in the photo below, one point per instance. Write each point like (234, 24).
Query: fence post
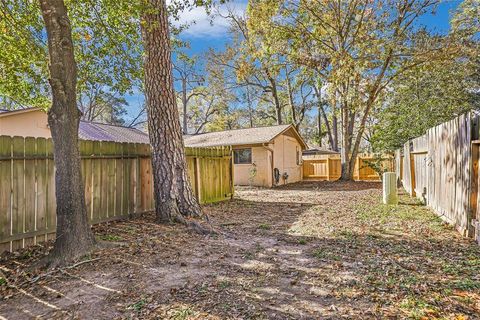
(412, 174)
(328, 168)
(473, 227)
(357, 167)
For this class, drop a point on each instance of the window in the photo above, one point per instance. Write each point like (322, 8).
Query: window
(242, 156)
(299, 156)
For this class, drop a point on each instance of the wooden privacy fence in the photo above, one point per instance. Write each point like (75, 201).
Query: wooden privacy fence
(328, 167)
(441, 168)
(117, 177)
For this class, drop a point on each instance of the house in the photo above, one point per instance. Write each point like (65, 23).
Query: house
(264, 156)
(32, 122)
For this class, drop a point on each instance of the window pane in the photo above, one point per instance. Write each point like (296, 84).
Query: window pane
(242, 156)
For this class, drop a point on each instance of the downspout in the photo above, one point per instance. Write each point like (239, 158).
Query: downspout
(271, 162)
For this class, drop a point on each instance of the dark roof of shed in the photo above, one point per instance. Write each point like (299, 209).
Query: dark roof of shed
(318, 150)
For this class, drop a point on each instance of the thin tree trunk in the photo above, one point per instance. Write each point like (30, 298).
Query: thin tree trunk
(344, 152)
(74, 237)
(320, 133)
(322, 113)
(335, 131)
(276, 101)
(250, 109)
(184, 104)
(291, 102)
(174, 198)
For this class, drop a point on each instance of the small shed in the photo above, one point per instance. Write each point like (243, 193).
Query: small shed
(263, 156)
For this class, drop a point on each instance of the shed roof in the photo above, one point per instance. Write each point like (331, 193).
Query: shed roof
(319, 150)
(238, 137)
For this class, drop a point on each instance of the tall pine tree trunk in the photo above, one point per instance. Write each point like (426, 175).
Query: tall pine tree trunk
(174, 198)
(74, 237)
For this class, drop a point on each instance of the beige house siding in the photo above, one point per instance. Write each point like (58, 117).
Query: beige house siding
(262, 159)
(25, 124)
(285, 148)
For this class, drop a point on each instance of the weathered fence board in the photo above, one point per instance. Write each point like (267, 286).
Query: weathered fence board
(444, 171)
(117, 178)
(328, 167)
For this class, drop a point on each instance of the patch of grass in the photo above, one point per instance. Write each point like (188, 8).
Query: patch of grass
(110, 237)
(25, 255)
(409, 211)
(322, 254)
(302, 241)
(264, 226)
(224, 284)
(226, 306)
(3, 281)
(418, 309)
(466, 284)
(249, 255)
(137, 306)
(182, 313)
(347, 234)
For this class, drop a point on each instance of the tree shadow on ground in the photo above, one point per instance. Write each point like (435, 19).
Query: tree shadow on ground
(338, 185)
(261, 266)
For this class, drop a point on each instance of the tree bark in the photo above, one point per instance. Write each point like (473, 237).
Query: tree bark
(319, 123)
(174, 198)
(276, 100)
(184, 105)
(335, 131)
(345, 151)
(74, 237)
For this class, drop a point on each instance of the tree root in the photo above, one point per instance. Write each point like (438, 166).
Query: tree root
(56, 259)
(194, 225)
(35, 279)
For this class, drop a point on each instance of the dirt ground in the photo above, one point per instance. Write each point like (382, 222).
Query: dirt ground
(312, 250)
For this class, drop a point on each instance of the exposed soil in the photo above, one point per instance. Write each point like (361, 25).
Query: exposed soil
(312, 250)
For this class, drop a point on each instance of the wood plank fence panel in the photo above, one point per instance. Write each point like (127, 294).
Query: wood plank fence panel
(444, 171)
(328, 167)
(5, 191)
(407, 173)
(118, 182)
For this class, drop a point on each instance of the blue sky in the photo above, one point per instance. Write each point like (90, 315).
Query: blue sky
(203, 34)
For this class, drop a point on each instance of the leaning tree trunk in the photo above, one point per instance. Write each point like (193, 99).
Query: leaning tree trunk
(74, 237)
(174, 198)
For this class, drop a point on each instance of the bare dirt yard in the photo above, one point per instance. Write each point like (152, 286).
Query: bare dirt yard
(313, 250)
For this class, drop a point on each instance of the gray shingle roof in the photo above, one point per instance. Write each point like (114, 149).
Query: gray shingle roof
(235, 137)
(98, 131)
(318, 150)
(105, 132)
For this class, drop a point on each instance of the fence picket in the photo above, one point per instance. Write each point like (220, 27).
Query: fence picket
(443, 165)
(118, 181)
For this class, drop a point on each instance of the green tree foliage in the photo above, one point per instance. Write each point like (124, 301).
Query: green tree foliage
(357, 49)
(422, 98)
(434, 92)
(107, 49)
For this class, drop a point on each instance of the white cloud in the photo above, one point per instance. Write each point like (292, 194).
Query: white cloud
(202, 25)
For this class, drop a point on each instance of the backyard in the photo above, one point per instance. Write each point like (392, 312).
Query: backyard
(308, 250)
